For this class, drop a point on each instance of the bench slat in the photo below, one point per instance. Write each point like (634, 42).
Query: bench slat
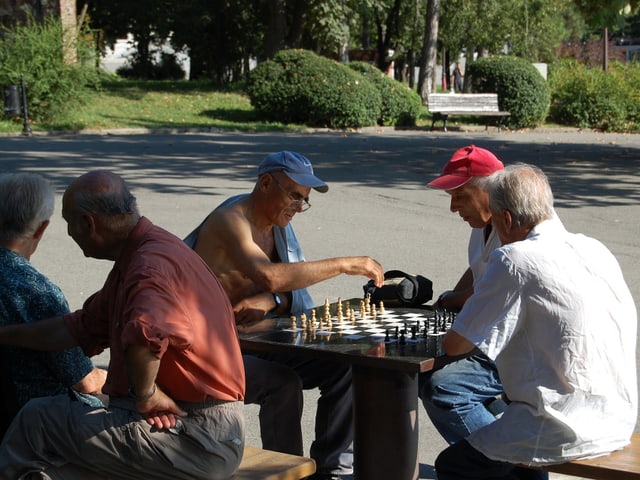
(620, 465)
(258, 464)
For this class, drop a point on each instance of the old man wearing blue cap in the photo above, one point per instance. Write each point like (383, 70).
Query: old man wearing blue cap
(249, 243)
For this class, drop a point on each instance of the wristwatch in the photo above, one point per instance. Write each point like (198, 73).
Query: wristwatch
(278, 300)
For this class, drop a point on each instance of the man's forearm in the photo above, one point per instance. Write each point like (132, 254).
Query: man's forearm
(48, 335)
(142, 368)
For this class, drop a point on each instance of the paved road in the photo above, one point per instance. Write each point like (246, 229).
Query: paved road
(377, 203)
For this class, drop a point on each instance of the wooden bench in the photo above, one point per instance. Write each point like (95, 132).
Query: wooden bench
(441, 105)
(258, 464)
(620, 465)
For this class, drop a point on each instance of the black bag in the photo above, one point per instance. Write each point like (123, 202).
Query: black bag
(400, 289)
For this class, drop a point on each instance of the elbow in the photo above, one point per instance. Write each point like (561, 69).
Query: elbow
(267, 282)
(455, 344)
(92, 382)
(451, 350)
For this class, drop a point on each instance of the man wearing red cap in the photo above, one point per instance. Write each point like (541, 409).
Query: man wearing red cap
(457, 396)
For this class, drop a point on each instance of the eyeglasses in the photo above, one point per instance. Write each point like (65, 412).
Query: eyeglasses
(300, 204)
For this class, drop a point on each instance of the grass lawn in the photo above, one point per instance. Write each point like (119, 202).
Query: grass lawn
(122, 104)
(157, 104)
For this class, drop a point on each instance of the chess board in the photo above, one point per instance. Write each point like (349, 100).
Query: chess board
(339, 322)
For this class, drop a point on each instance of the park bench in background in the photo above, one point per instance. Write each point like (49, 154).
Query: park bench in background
(620, 465)
(442, 105)
(258, 464)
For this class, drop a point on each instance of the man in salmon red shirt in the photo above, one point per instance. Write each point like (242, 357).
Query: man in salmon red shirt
(175, 379)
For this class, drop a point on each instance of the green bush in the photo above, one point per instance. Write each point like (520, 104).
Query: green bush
(53, 85)
(401, 106)
(592, 98)
(298, 86)
(520, 87)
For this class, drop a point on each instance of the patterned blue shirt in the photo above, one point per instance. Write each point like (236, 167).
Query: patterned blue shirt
(26, 295)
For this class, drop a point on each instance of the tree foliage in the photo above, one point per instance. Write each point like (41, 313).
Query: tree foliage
(591, 98)
(222, 36)
(146, 20)
(606, 13)
(530, 29)
(35, 51)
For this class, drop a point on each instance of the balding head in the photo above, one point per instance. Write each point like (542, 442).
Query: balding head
(101, 212)
(102, 193)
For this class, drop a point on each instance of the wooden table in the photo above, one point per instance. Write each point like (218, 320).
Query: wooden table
(385, 386)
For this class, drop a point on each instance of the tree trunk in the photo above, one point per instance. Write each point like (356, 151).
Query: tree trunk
(276, 28)
(297, 27)
(68, 17)
(387, 31)
(605, 49)
(143, 53)
(429, 56)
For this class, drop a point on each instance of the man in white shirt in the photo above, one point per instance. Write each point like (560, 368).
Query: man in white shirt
(554, 312)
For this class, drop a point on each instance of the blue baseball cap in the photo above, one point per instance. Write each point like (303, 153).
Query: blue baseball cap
(297, 167)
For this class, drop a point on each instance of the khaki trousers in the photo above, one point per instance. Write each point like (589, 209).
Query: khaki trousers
(59, 438)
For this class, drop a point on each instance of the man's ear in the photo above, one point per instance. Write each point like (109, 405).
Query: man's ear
(265, 181)
(40, 230)
(90, 223)
(507, 219)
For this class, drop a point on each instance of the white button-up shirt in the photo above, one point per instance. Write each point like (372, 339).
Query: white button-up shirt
(556, 315)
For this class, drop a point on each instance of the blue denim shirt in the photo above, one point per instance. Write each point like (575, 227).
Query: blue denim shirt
(288, 248)
(26, 295)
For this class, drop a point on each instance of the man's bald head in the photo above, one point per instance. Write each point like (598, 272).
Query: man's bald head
(101, 212)
(101, 192)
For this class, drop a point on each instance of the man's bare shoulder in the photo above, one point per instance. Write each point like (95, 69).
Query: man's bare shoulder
(227, 217)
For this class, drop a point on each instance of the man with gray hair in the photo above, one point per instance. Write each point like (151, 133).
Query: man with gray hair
(26, 295)
(555, 314)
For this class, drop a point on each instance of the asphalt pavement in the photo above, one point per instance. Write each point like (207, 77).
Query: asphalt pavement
(377, 203)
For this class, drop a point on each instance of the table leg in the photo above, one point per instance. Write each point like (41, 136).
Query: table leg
(385, 407)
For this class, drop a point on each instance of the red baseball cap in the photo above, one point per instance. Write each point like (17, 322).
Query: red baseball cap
(466, 163)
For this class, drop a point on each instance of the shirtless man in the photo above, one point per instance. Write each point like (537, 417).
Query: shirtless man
(249, 243)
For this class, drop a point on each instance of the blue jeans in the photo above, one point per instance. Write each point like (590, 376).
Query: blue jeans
(457, 395)
(463, 462)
